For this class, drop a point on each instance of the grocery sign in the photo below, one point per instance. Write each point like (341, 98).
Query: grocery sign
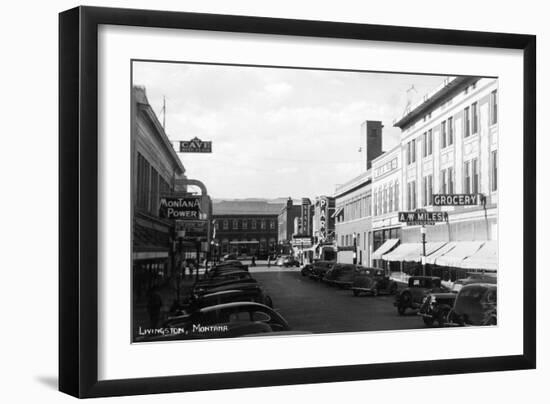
(423, 218)
(457, 199)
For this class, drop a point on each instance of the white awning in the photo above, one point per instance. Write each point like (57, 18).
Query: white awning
(384, 248)
(412, 252)
(485, 258)
(461, 251)
(443, 250)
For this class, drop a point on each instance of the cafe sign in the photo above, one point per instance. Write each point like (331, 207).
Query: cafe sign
(422, 218)
(183, 208)
(458, 199)
(195, 145)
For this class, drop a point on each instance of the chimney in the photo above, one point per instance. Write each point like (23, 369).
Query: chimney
(370, 142)
(289, 202)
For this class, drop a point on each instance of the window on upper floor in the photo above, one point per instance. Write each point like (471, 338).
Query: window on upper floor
(235, 224)
(451, 180)
(396, 197)
(466, 122)
(443, 135)
(475, 177)
(450, 130)
(226, 224)
(427, 190)
(475, 119)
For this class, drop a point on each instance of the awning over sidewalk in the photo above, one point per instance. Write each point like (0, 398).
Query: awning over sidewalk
(461, 251)
(412, 252)
(384, 248)
(443, 250)
(485, 258)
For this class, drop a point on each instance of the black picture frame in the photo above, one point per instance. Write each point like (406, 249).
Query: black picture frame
(78, 196)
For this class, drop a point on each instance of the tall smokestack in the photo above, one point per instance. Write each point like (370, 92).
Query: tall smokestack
(370, 142)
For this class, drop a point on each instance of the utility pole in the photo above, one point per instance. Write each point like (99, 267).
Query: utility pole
(354, 248)
(423, 233)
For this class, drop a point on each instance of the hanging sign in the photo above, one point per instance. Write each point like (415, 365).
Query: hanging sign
(457, 199)
(195, 145)
(420, 217)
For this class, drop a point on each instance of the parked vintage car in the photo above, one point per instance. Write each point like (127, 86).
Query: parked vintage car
(307, 270)
(475, 304)
(287, 261)
(225, 320)
(250, 294)
(418, 288)
(473, 278)
(341, 275)
(373, 281)
(229, 257)
(224, 275)
(436, 307)
(320, 268)
(207, 286)
(229, 264)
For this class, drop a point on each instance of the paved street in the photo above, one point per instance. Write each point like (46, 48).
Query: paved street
(313, 306)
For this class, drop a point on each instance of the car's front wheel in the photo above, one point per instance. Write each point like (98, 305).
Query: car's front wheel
(404, 302)
(429, 321)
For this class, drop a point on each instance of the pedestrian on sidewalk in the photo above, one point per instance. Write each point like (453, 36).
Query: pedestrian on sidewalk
(253, 261)
(268, 261)
(154, 305)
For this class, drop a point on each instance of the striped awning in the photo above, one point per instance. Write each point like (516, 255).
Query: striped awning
(461, 251)
(412, 252)
(387, 246)
(486, 258)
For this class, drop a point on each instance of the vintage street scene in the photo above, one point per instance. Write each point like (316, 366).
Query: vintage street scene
(271, 201)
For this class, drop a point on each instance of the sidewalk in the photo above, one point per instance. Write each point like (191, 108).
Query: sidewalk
(401, 277)
(168, 294)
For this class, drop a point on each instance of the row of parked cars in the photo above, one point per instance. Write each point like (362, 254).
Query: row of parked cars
(361, 280)
(226, 302)
(470, 301)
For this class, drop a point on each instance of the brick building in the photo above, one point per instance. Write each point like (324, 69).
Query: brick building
(246, 228)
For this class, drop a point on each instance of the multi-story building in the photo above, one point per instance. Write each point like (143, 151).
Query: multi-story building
(246, 228)
(353, 202)
(353, 219)
(386, 202)
(155, 169)
(288, 222)
(449, 145)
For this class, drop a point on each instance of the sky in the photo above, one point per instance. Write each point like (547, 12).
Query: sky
(275, 132)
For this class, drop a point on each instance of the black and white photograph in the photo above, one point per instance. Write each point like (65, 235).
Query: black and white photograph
(270, 201)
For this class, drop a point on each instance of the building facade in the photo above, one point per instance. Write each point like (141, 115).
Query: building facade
(386, 202)
(288, 222)
(246, 228)
(353, 219)
(155, 170)
(449, 145)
